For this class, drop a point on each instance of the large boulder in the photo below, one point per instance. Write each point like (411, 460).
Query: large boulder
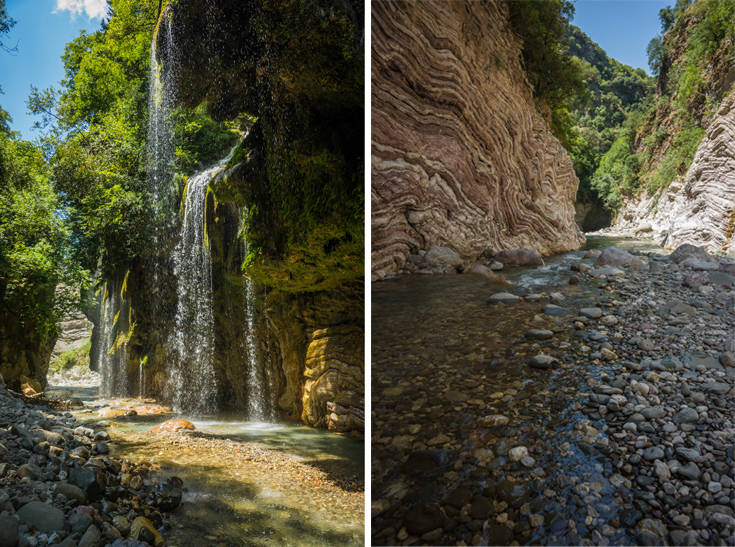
(43, 516)
(615, 256)
(439, 256)
(520, 257)
(687, 251)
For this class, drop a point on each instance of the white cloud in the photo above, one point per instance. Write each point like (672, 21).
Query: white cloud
(93, 8)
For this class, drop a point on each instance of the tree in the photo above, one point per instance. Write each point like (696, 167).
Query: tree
(6, 23)
(655, 55)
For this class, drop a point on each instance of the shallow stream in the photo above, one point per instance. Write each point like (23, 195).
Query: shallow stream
(246, 483)
(443, 360)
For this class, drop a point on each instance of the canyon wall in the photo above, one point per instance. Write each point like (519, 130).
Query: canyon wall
(698, 208)
(460, 155)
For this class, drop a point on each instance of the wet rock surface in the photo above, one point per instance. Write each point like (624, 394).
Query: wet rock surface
(626, 439)
(59, 485)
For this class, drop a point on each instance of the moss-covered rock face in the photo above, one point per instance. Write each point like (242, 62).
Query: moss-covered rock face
(292, 71)
(298, 67)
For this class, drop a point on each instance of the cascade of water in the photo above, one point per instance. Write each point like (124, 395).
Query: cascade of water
(161, 101)
(257, 404)
(258, 380)
(112, 360)
(141, 381)
(103, 343)
(192, 374)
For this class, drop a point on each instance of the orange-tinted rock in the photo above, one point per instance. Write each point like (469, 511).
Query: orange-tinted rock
(30, 387)
(109, 412)
(151, 409)
(172, 426)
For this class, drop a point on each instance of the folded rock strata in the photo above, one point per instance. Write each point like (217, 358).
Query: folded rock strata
(460, 155)
(700, 209)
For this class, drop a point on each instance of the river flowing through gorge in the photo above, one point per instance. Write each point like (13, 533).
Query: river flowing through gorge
(535, 415)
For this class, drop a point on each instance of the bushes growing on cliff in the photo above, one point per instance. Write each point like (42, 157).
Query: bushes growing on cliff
(556, 77)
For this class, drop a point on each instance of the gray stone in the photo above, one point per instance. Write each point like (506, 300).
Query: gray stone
(653, 453)
(718, 388)
(29, 470)
(8, 531)
(504, 297)
(91, 537)
(685, 251)
(520, 257)
(43, 516)
(689, 471)
(727, 359)
(90, 479)
(542, 361)
(690, 454)
(539, 334)
(615, 256)
(653, 412)
(592, 313)
(437, 256)
(686, 416)
(553, 309)
(71, 492)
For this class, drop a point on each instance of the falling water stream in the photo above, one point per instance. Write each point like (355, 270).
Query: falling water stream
(111, 357)
(192, 371)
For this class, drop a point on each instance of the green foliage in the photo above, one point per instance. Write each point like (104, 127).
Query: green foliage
(557, 77)
(96, 138)
(6, 23)
(677, 158)
(618, 93)
(200, 140)
(76, 358)
(659, 143)
(35, 254)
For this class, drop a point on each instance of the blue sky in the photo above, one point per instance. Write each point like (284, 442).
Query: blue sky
(42, 30)
(622, 28)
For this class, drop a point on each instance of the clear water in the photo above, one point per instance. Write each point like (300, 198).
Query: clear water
(247, 482)
(435, 335)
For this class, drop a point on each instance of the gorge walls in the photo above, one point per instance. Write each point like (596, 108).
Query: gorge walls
(460, 155)
(698, 208)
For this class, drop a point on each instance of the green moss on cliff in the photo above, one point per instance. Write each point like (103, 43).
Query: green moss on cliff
(298, 67)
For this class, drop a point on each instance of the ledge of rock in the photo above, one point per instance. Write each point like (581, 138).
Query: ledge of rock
(460, 156)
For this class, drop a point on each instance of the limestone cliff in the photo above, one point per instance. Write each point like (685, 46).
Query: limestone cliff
(460, 155)
(683, 190)
(700, 209)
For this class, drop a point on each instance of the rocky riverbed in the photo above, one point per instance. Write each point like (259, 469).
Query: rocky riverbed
(251, 483)
(589, 403)
(59, 484)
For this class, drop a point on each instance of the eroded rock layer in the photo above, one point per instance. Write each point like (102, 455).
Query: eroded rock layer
(700, 209)
(460, 155)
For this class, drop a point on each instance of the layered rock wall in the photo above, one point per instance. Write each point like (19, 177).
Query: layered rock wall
(698, 208)
(460, 155)
(320, 350)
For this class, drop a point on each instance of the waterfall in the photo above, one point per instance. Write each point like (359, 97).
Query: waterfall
(257, 402)
(258, 380)
(112, 361)
(190, 350)
(192, 374)
(161, 101)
